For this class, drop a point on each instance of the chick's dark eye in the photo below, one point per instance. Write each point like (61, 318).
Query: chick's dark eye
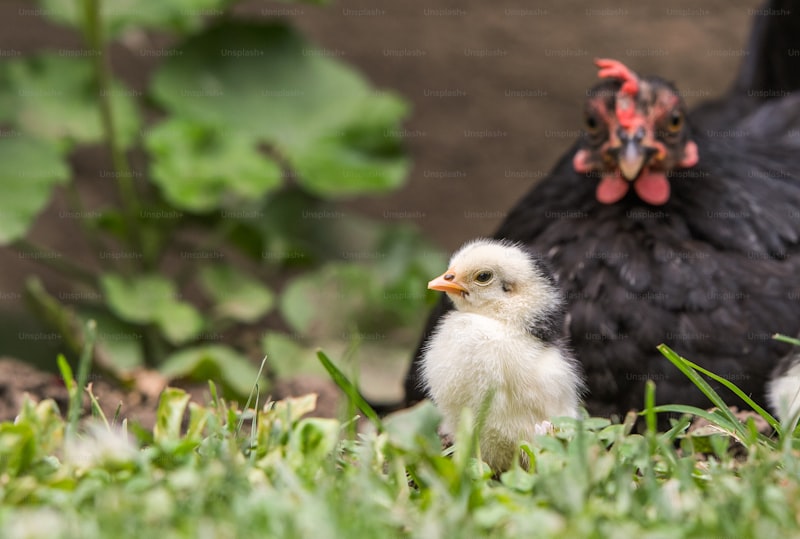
(484, 277)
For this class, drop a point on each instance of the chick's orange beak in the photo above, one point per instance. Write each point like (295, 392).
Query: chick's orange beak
(447, 282)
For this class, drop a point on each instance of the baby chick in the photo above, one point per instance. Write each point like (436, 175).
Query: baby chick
(502, 345)
(783, 391)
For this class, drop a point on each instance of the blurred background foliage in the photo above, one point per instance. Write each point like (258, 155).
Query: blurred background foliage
(225, 241)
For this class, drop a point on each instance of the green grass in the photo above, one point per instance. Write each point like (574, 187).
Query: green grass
(271, 473)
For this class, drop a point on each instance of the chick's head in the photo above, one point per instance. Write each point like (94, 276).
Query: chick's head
(500, 280)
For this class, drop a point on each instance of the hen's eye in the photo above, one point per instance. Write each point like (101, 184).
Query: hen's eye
(592, 125)
(484, 277)
(675, 121)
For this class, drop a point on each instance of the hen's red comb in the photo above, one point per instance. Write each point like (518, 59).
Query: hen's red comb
(613, 69)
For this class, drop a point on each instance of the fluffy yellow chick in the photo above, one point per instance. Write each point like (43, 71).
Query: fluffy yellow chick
(504, 340)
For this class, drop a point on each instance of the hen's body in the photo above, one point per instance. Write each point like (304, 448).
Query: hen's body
(713, 272)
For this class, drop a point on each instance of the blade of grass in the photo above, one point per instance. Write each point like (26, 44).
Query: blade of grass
(784, 338)
(704, 387)
(774, 423)
(96, 410)
(469, 436)
(350, 390)
(253, 394)
(742, 432)
(212, 388)
(676, 429)
(254, 430)
(66, 374)
(349, 358)
(715, 418)
(115, 420)
(649, 405)
(76, 393)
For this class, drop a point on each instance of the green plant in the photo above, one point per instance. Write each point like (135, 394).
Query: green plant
(721, 416)
(227, 164)
(268, 471)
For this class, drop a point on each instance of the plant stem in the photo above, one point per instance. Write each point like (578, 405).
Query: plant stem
(68, 324)
(76, 204)
(53, 259)
(85, 361)
(155, 348)
(102, 66)
(214, 241)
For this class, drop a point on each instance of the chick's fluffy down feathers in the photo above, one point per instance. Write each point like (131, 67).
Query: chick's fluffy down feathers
(493, 353)
(470, 356)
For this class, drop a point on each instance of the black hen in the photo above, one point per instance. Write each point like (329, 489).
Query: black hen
(664, 226)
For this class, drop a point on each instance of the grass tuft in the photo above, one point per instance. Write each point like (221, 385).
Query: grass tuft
(296, 476)
(722, 417)
(350, 390)
(75, 388)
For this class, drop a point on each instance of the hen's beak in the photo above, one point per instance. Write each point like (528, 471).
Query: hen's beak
(632, 154)
(447, 282)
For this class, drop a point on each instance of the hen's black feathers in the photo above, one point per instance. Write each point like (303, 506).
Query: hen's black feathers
(713, 273)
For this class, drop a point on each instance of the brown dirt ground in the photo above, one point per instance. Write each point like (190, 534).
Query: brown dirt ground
(506, 67)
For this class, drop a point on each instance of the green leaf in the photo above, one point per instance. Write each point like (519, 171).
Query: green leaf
(122, 16)
(198, 420)
(379, 287)
(266, 81)
(364, 156)
(46, 422)
(139, 299)
(179, 322)
(350, 390)
(17, 448)
(308, 301)
(315, 437)
(55, 97)
(279, 232)
(152, 299)
(332, 167)
(214, 362)
(29, 169)
(286, 358)
(200, 168)
(415, 427)
(236, 296)
(277, 89)
(293, 408)
(169, 416)
(294, 228)
(407, 263)
(406, 252)
(121, 341)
